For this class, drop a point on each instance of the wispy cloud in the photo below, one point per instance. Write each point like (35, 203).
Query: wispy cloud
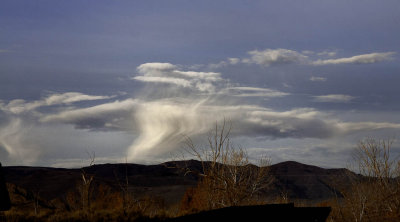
(318, 79)
(270, 57)
(327, 53)
(334, 98)
(169, 73)
(254, 92)
(229, 61)
(359, 59)
(18, 106)
(160, 122)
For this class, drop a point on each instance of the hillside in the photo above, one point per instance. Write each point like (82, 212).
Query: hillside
(170, 180)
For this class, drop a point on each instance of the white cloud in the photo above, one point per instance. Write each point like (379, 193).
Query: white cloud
(318, 79)
(229, 61)
(269, 57)
(350, 127)
(16, 139)
(155, 68)
(170, 80)
(307, 52)
(327, 53)
(233, 61)
(19, 106)
(71, 97)
(359, 59)
(113, 116)
(334, 98)
(168, 73)
(208, 76)
(158, 123)
(254, 92)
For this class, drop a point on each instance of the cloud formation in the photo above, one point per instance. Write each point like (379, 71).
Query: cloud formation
(270, 57)
(18, 106)
(359, 59)
(334, 98)
(159, 123)
(318, 79)
(254, 92)
(169, 73)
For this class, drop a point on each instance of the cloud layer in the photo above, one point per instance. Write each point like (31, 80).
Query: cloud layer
(271, 57)
(359, 59)
(176, 103)
(334, 98)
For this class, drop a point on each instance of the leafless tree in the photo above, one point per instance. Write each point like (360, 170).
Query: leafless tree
(228, 177)
(87, 180)
(376, 195)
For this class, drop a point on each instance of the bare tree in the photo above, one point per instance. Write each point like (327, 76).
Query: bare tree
(228, 177)
(127, 199)
(376, 195)
(87, 180)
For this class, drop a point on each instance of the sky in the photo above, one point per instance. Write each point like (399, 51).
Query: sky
(130, 80)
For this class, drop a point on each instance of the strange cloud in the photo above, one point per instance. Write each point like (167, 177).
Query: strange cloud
(159, 123)
(16, 139)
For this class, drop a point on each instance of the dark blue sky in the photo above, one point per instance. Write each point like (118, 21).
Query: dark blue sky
(303, 66)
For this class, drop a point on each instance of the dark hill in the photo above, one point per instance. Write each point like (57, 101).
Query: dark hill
(170, 180)
(301, 181)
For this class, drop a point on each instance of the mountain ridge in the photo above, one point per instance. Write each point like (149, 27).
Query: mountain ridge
(170, 180)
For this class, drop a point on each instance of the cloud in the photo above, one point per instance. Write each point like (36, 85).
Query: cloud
(16, 138)
(19, 106)
(155, 68)
(108, 116)
(270, 57)
(71, 97)
(170, 74)
(254, 92)
(334, 98)
(157, 123)
(229, 61)
(318, 79)
(359, 59)
(327, 53)
(170, 80)
(351, 127)
(4, 50)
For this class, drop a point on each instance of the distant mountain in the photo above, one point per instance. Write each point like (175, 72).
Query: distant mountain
(301, 181)
(170, 180)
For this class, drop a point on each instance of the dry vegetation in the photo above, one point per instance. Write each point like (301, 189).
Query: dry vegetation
(376, 196)
(227, 178)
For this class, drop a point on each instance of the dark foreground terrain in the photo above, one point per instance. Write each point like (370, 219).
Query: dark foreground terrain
(156, 191)
(170, 180)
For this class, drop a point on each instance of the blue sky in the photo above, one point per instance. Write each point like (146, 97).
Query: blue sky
(300, 81)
